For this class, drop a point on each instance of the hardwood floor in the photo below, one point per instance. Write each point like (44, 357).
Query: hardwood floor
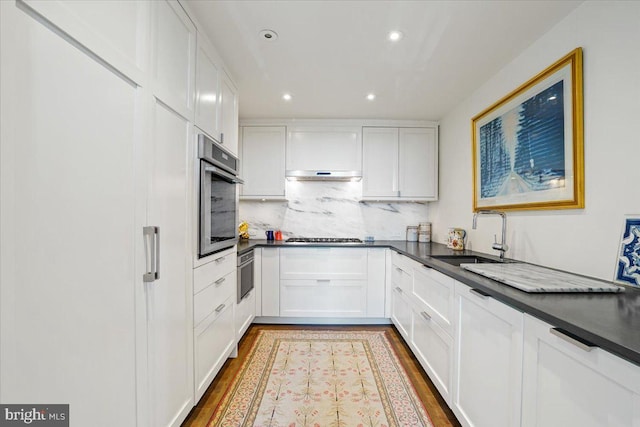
(440, 413)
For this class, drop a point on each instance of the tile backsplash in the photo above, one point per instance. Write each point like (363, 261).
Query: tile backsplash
(331, 209)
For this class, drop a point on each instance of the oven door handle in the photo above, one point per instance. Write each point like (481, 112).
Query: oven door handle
(226, 175)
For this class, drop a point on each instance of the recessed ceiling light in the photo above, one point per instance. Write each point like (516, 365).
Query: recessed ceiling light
(286, 97)
(394, 36)
(371, 96)
(268, 35)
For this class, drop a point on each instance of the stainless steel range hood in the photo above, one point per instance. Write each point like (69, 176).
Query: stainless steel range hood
(323, 175)
(316, 153)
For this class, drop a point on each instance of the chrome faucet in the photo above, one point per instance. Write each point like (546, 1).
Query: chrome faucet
(502, 246)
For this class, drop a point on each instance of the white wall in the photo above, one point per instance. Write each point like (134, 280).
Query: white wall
(585, 240)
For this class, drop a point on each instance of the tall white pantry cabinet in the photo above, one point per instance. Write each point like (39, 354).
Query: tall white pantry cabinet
(97, 142)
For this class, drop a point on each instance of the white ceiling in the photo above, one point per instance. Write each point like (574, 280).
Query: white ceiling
(330, 54)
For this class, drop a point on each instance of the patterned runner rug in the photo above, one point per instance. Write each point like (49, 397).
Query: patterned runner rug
(321, 379)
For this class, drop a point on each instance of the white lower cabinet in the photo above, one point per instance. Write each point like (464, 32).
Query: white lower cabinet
(568, 384)
(433, 348)
(270, 286)
(488, 345)
(433, 291)
(245, 313)
(331, 282)
(214, 332)
(422, 311)
(401, 284)
(214, 341)
(323, 298)
(495, 366)
(401, 312)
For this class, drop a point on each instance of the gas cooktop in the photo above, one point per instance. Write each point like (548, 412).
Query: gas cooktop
(323, 240)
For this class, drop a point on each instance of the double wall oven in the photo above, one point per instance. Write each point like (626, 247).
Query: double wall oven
(219, 197)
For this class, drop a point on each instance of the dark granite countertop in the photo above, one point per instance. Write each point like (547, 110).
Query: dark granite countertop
(610, 321)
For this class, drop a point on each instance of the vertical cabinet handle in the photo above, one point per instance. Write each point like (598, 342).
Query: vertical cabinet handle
(573, 339)
(151, 237)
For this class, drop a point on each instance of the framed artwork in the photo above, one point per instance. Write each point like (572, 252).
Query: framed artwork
(528, 147)
(628, 259)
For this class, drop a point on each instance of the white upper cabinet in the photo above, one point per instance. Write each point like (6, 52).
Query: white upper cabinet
(418, 159)
(380, 162)
(228, 114)
(262, 154)
(174, 52)
(114, 31)
(207, 89)
(400, 163)
(324, 148)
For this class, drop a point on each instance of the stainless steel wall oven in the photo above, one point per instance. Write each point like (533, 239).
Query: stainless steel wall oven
(219, 197)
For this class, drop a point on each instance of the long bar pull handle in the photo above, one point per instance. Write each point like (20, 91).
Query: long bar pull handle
(219, 281)
(157, 239)
(151, 237)
(573, 339)
(479, 293)
(220, 308)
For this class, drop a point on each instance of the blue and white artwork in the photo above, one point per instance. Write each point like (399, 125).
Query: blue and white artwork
(523, 150)
(628, 266)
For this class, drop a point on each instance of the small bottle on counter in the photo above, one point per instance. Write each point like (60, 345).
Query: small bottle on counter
(412, 233)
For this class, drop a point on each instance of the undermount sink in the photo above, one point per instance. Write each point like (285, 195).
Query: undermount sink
(464, 259)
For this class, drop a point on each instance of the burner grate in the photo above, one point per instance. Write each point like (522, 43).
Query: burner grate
(323, 240)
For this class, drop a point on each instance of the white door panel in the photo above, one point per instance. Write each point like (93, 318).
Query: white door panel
(69, 226)
(169, 298)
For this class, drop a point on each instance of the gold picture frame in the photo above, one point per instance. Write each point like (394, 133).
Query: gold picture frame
(527, 148)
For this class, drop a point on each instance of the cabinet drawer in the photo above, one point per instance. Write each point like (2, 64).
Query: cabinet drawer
(323, 298)
(323, 263)
(434, 292)
(433, 348)
(214, 341)
(221, 265)
(210, 298)
(245, 312)
(401, 278)
(401, 313)
(402, 261)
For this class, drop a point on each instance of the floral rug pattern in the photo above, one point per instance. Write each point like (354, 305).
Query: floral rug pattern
(321, 379)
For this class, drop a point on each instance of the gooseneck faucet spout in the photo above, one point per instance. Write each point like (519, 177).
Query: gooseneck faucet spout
(502, 246)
